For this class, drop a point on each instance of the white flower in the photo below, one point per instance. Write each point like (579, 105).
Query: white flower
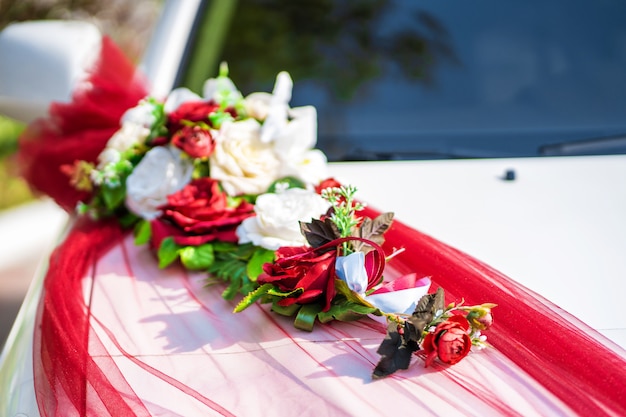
(311, 167)
(399, 301)
(222, 90)
(258, 105)
(243, 163)
(278, 216)
(129, 135)
(142, 114)
(108, 156)
(351, 269)
(160, 173)
(294, 147)
(278, 108)
(292, 132)
(299, 135)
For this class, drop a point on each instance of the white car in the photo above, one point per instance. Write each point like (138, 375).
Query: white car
(474, 162)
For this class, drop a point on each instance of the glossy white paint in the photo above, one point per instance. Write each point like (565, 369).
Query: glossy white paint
(559, 228)
(17, 390)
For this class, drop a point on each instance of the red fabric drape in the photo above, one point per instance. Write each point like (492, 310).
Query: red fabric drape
(80, 129)
(68, 381)
(583, 373)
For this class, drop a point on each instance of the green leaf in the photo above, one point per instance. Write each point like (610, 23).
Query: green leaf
(168, 252)
(287, 311)
(342, 288)
(346, 311)
(305, 319)
(218, 117)
(291, 182)
(284, 294)
(158, 128)
(201, 168)
(233, 288)
(127, 219)
(197, 257)
(247, 285)
(252, 297)
(231, 266)
(224, 246)
(348, 305)
(260, 257)
(142, 232)
(113, 196)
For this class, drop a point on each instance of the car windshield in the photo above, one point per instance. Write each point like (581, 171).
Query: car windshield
(410, 79)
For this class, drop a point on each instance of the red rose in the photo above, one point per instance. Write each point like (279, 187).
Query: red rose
(302, 268)
(199, 213)
(194, 141)
(192, 111)
(312, 270)
(327, 183)
(449, 341)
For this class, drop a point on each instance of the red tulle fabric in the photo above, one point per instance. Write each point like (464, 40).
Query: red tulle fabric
(65, 374)
(80, 129)
(583, 373)
(68, 380)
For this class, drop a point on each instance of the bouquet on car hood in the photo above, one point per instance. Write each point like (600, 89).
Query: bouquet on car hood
(233, 186)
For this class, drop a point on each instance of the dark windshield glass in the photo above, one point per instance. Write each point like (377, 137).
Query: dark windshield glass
(440, 78)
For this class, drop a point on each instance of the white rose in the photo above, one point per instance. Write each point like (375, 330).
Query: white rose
(243, 163)
(277, 218)
(160, 173)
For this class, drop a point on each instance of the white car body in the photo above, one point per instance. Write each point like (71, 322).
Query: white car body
(558, 227)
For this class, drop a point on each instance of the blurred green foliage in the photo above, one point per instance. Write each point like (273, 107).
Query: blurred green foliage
(9, 132)
(13, 189)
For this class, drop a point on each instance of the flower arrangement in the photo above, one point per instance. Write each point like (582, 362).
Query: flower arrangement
(233, 186)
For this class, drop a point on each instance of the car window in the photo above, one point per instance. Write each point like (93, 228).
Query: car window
(427, 79)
